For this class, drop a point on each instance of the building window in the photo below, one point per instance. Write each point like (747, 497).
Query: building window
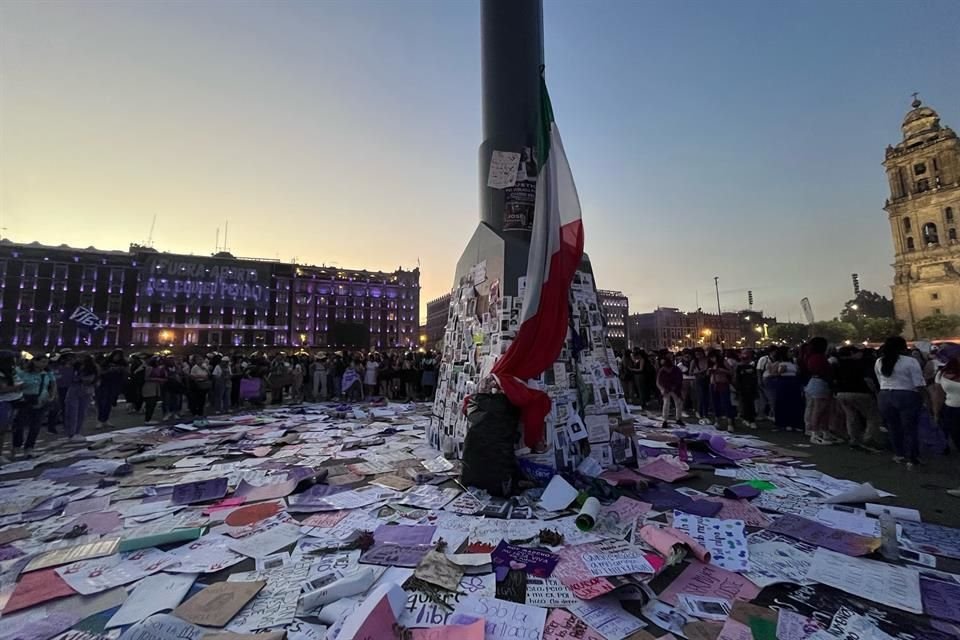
(919, 169)
(952, 234)
(937, 312)
(934, 296)
(59, 272)
(930, 236)
(910, 246)
(948, 214)
(907, 226)
(923, 185)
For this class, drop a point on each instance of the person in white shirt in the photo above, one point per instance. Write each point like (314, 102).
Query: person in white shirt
(948, 379)
(901, 382)
(765, 398)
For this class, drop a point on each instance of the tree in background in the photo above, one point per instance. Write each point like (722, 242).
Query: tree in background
(871, 315)
(788, 332)
(879, 329)
(867, 304)
(938, 326)
(835, 331)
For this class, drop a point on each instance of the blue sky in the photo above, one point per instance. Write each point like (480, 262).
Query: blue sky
(738, 139)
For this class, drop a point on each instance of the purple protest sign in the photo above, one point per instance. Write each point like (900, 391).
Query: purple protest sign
(940, 599)
(664, 498)
(9, 552)
(533, 561)
(202, 491)
(821, 535)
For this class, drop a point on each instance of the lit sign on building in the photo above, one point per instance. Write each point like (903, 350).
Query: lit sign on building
(198, 281)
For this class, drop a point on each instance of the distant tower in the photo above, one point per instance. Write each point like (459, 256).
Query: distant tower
(924, 211)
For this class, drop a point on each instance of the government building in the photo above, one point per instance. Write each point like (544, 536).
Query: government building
(54, 297)
(924, 205)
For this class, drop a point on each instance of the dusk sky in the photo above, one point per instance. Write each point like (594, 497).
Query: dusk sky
(737, 139)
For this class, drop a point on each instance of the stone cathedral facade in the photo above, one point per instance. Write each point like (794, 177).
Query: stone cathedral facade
(924, 211)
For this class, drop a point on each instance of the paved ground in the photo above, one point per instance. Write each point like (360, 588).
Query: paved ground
(922, 488)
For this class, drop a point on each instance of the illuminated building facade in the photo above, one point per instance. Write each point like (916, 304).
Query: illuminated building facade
(146, 298)
(671, 328)
(616, 313)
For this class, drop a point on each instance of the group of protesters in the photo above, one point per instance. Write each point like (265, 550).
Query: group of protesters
(849, 394)
(57, 390)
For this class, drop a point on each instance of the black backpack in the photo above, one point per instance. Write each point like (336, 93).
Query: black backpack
(489, 458)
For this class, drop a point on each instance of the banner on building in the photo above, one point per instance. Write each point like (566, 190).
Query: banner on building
(172, 280)
(87, 319)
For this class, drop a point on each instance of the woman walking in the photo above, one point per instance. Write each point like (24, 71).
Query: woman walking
(901, 382)
(39, 386)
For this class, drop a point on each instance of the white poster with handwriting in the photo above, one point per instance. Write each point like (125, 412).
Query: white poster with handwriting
(502, 619)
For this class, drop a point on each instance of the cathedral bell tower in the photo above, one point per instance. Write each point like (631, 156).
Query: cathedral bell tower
(924, 211)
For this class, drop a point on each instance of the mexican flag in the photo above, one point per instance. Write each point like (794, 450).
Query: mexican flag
(556, 246)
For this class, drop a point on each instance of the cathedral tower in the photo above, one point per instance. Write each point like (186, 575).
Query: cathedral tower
(924, 211)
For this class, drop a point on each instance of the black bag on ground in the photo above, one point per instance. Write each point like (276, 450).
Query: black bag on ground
(489, 461)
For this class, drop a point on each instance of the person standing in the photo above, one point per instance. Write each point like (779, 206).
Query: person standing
(767, 390)
(200, 385)
(670, 384)
(901, 383)
(112, 380)
(747, 386)
(222, 385)
(428, 381)
(370, 374)
(154, 376)
(172, 389)
(86, 374)
(856, 394)
(948, 379)
(320, 375)
(787, 391)
(818, 391)
(720, 378)
(700, 370)
(38, 387)
(11, 394)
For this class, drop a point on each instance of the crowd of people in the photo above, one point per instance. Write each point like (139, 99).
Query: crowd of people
(871, 399)
(53, 391)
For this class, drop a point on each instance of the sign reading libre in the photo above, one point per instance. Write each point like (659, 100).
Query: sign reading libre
(174, 280)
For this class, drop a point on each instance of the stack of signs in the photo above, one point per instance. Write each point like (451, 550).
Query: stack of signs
(583, 384)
